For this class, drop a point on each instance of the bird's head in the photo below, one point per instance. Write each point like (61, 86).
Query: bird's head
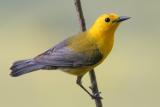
(107, 23)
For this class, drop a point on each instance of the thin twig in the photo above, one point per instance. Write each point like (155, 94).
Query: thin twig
(94, 87)
(80, 15)
(91, 73)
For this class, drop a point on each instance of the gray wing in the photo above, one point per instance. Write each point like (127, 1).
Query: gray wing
(62, 57)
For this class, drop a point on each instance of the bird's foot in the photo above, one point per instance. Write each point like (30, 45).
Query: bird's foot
(96, 95)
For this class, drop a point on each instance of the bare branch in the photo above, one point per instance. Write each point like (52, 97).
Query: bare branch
(94, 86)
(80, 15)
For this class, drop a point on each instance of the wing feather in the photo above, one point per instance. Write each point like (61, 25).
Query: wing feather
(64, 56)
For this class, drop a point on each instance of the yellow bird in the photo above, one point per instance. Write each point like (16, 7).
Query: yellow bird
(78, 54)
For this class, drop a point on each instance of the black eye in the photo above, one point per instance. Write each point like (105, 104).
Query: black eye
(107, 19)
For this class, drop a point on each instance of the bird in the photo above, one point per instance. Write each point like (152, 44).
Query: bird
(77, 54)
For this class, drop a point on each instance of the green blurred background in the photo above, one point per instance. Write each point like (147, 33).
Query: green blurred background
(130, 77)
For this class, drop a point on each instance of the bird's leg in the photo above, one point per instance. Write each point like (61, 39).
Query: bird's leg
(79, 82)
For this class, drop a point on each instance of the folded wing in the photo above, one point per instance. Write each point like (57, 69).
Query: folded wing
(61, 56)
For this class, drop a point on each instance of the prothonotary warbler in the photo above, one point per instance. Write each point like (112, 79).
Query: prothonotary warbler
(77, 54)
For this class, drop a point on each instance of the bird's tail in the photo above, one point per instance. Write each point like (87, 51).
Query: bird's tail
(24, 66)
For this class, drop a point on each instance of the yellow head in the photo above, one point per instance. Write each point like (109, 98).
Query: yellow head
(107, 23)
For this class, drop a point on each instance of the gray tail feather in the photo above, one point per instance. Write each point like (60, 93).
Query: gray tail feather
(24, 66)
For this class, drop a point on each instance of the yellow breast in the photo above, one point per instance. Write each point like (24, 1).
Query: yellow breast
(104, 42)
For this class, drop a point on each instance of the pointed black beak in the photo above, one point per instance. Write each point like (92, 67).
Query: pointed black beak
(122, 18)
